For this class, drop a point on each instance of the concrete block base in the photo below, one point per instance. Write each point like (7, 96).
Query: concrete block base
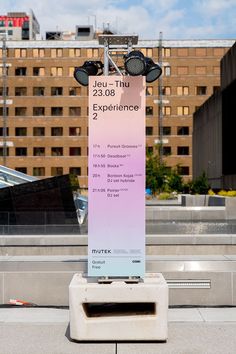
(119, 310)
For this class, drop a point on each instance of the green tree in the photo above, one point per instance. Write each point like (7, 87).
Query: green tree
(200, 185)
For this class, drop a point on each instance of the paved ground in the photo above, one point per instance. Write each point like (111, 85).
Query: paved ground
(46, 331)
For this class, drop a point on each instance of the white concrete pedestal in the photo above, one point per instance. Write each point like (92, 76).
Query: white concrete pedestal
(120, 310)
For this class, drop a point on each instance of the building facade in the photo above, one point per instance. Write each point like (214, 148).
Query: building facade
(19, 26)
(214, 128)
(47, 111)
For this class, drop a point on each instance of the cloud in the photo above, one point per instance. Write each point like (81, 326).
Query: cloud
(175, 18)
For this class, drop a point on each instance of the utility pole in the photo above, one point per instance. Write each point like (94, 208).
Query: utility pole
(160, 93)
(4, 96)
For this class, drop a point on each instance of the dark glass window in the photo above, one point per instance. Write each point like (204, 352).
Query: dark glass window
(21, 151)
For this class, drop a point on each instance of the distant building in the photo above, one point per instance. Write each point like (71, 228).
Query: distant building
(19, 26)
(214, 130)
(47, 114)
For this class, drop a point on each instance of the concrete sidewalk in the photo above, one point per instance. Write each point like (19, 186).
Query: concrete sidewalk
(46, 330)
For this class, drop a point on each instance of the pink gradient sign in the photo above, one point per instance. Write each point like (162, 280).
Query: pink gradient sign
(116, 212)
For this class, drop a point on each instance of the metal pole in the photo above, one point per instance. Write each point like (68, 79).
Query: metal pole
(106, 58)
(4, 94)
(160, 100)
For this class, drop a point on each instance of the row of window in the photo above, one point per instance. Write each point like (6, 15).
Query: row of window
(167, 130)
(60, 71)
(55, 171)
(40, 131)
(76, 131)
(40, 111)
(76, 111)
(94, 52)
(76, 91)
(40, 91)
(40, 151)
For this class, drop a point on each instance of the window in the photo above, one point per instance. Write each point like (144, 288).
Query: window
(38, 71)
(2, 131)
(74, 111)
(166, 90)
(166, 110)
(183, 150)
(201, 90)
(92, 52)
(200, 70)
(74, 91)
(182, 111)
(56, 171)
(21, 169)
(149, 149)
(2, 151)
(1, 90)
(38, 131)
(20, 53)
(39, 171)
(147, 52)
(75, 151)
(21, 151)
(166, 52)
(38, 91)
(149, 91)
(20, 111)
(57, 151)
(182, 90)
(71, 71)
(166, 130)
(182, 130)
(56, 91)
(182, 52)
(182, 70)
(38, 52)
(20, 71)
(74, 131)
(38, 111)
(75, 171)
(149, 110)
(56, 53)
(74, 52)
(166, 150)
(56, 111)
(21, 131)
(1, 111)
(56, 71)
(39, 151)
(216, 88)
(167, 71)
(56, 131)
(183, 170)
(149, 130)
(20, 91)
(2, 72)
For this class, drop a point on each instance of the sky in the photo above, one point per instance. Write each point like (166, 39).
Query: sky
(176, 19)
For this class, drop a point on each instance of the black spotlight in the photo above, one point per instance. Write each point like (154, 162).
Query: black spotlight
(153, 71)
(82, 73)
(135, 63)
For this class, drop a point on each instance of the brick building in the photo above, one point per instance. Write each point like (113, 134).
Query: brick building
(47, 114)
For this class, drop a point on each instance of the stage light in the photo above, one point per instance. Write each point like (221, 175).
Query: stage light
(82, 73)
(153, 71)
(135, 63)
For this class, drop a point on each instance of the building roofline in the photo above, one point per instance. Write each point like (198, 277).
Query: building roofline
(182, 43)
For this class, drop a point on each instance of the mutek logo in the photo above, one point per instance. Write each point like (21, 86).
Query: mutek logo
(99, 251)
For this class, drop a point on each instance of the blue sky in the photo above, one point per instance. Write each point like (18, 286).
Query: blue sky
(177, 19)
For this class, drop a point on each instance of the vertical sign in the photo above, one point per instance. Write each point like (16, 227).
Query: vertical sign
(116, 213)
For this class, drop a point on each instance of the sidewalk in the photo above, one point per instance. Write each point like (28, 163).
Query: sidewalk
(46, 331)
